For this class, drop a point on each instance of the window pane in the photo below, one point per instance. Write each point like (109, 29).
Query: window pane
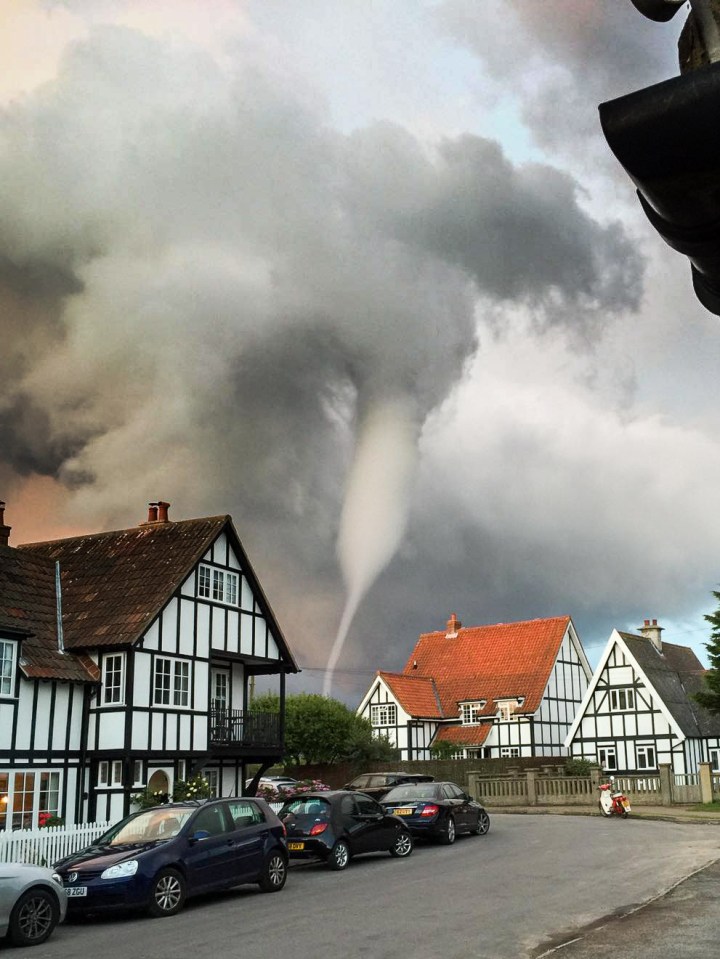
(162, 682)
(204, 581)
(217, 592)
(7, 668)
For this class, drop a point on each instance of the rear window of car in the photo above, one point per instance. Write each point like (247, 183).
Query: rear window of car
(412, 791)
(317, 808)
(245, 814)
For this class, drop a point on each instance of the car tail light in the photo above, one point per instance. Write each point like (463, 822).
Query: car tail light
(318, 828)
(430, 810)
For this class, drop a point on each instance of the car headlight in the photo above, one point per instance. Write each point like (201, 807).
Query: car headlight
(56, 877)
(120, 871)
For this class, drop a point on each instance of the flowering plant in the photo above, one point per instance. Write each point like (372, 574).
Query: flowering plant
(196, 788)
(49, 819)
(283, 793)
(147, 799)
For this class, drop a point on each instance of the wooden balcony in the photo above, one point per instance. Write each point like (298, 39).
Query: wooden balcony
(242, 728)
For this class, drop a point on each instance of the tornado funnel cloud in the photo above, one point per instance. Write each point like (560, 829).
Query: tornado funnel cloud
(375, 508)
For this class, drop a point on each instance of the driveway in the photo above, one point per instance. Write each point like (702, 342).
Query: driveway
(531, 881)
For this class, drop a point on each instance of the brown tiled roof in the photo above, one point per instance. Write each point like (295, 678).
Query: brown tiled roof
(505, 660)
(114, 584)
(463, 735)
(28, 609)
(416, 694)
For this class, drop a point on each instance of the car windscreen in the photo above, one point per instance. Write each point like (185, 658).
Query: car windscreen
(314, 808)
(411, 791)
(149, 826)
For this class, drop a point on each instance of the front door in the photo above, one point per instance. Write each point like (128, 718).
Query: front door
(220, 689)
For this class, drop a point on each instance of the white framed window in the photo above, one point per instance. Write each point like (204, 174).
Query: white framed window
(470, 712)
(607, 757)
(383, 715)
(8, 667)
(24, 796)
(138, 776)
(212, 778)
(645, 756)
(622, 700)
(510, 752)
(715, 760)
(506, 710)
(219, 585)
(171, 686)
(113, 687)
(458, 754)
(182, 769)
(110, 773)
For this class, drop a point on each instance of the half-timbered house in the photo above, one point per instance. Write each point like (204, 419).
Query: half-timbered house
(125, 663)
(506, 690)
(638, 711)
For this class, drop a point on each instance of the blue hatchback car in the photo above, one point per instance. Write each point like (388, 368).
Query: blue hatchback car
(155, 859)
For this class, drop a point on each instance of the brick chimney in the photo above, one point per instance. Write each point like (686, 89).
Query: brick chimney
(4, 530)
(650, 630)
(162, 512)
(453, 625)
(152, 513)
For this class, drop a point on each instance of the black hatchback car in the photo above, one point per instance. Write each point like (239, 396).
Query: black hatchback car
(438, 810)
(154, 859)
(378, 785)
(336, 825)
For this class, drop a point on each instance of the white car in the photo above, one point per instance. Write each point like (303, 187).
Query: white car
(277, 782)
(32, 903)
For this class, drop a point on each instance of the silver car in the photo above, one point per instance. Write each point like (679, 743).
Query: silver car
(32, 903)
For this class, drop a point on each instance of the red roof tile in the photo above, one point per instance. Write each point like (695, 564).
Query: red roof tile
(416, 694)
(463, 735)
(505, 660)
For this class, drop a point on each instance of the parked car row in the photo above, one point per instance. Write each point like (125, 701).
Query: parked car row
(154, 860)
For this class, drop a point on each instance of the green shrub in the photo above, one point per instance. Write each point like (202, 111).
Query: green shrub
(579, 767)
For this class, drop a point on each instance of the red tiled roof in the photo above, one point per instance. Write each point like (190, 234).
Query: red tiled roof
(114, 584)
(505, 660)
(463, 735)
(416, 694)
(28, 610)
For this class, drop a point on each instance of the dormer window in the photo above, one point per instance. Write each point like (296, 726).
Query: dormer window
(219, 585)
(8, 666)
(507, 707)
(470, 712)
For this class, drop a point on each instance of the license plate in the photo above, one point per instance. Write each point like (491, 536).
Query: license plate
(402, 812)
(626, 803)
(296, 846)
(73, 892)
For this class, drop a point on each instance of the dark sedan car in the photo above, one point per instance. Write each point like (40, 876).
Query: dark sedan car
(378, 785)
(336, 825)
(155, 859)
(437, 810)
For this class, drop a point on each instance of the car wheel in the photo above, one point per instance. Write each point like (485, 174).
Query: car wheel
(402, 846)
(483, 824)
(339, 855)
(34, 917)
(168, 894)
(448, 837)
(274, 873)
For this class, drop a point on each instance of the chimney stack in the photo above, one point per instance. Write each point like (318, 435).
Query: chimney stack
(4, 530)
(453, 625)
(162, 512)
(651, 630)
(152, 512)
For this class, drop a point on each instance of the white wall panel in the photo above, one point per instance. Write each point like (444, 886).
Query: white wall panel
(150, 639)
(217, 640)
(189, 587)
(220, 549)
(187, 627)
(142, 683)
(169, 630)
(246, 633)
(233, 631)
(622, 676)
(200, 684)
(203, 630)
(112, 730)
(201, 731)
(272, 650)
(233, 561)
(140, 731)
(247, 600)
(156, 731)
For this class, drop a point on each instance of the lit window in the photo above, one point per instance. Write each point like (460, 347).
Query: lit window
(113, 679)
(385, 715)
(470, 712)
(8, 657)
(646, 756)
(621, 700)
(218, 584)
(172, 682)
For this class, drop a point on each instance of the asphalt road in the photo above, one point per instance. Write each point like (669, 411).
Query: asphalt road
(531, 883)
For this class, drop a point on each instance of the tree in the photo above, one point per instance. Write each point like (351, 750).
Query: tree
(709, 697)
(319, 729)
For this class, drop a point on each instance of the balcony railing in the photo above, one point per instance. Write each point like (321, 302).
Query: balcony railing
(240, 727)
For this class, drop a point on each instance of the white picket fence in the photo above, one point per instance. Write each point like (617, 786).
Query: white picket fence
(45, 846)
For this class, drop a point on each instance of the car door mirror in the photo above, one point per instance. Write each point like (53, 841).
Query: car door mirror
(199, 835)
